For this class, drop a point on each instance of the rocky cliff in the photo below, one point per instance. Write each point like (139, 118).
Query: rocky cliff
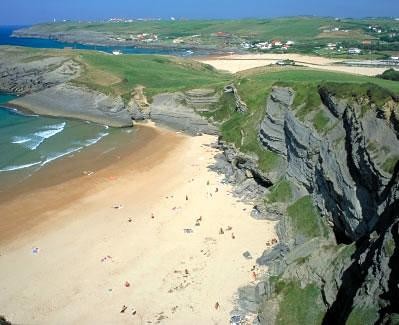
(23, 74)
(337, 255)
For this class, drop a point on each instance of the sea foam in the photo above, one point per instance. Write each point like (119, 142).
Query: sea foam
(17, 167)
(33, 141)
(90, 142)
(57, 155)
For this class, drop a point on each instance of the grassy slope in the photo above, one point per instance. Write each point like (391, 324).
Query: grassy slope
(280, 192)
(305, 218)
(157, 73)
(299, 305)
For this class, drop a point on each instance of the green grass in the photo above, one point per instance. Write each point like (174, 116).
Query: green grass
(390, 246)
(158, 74)
(305, 219)
(320, 121)
(390, 163)
(242, 129)
(223, 110)
(307, 32)
(297, 305)
(280, 192)
(390, 74)
(298, 28)
(294, 28)
(393, 319)
(375, 91)
(306, 99)
(363, 316)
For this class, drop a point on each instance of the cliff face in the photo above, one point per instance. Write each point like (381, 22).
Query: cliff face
(67, 100)
(350, 171)
(23, 76)
(346, 178)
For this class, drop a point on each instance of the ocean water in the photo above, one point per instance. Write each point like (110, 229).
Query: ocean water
(30, 142)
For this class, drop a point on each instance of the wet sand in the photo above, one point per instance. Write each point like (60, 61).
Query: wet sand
(141, 233)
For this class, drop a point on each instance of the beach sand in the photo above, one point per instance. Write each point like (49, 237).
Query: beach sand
(240, 62)
(127, 236)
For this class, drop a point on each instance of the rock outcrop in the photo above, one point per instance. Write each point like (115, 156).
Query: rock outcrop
(171, 110)
(240, 104)
(337, 167)
(201, 99)
(344, 171)
(27, 75)
(75, 102)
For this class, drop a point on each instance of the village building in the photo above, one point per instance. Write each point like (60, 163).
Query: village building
(354, 50)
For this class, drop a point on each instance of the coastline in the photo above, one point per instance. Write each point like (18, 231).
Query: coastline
(174, 275)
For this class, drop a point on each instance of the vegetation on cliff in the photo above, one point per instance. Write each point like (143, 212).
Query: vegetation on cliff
(390, 74)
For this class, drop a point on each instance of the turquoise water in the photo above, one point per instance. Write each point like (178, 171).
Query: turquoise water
(28, 143)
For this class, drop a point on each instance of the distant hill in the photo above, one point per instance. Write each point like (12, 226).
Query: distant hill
(305, 32)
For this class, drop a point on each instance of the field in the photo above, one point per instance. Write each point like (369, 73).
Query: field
(121, 74)
(309, 33)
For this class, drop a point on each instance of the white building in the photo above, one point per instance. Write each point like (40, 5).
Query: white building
(263, 45)
(354, 50)
(178, 41)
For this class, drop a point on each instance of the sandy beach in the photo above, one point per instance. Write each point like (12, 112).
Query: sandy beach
(136, 242)
(240, 62)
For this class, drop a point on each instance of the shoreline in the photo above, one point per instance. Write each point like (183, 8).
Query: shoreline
(77, 167)
(26, 111)
(173, 275)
